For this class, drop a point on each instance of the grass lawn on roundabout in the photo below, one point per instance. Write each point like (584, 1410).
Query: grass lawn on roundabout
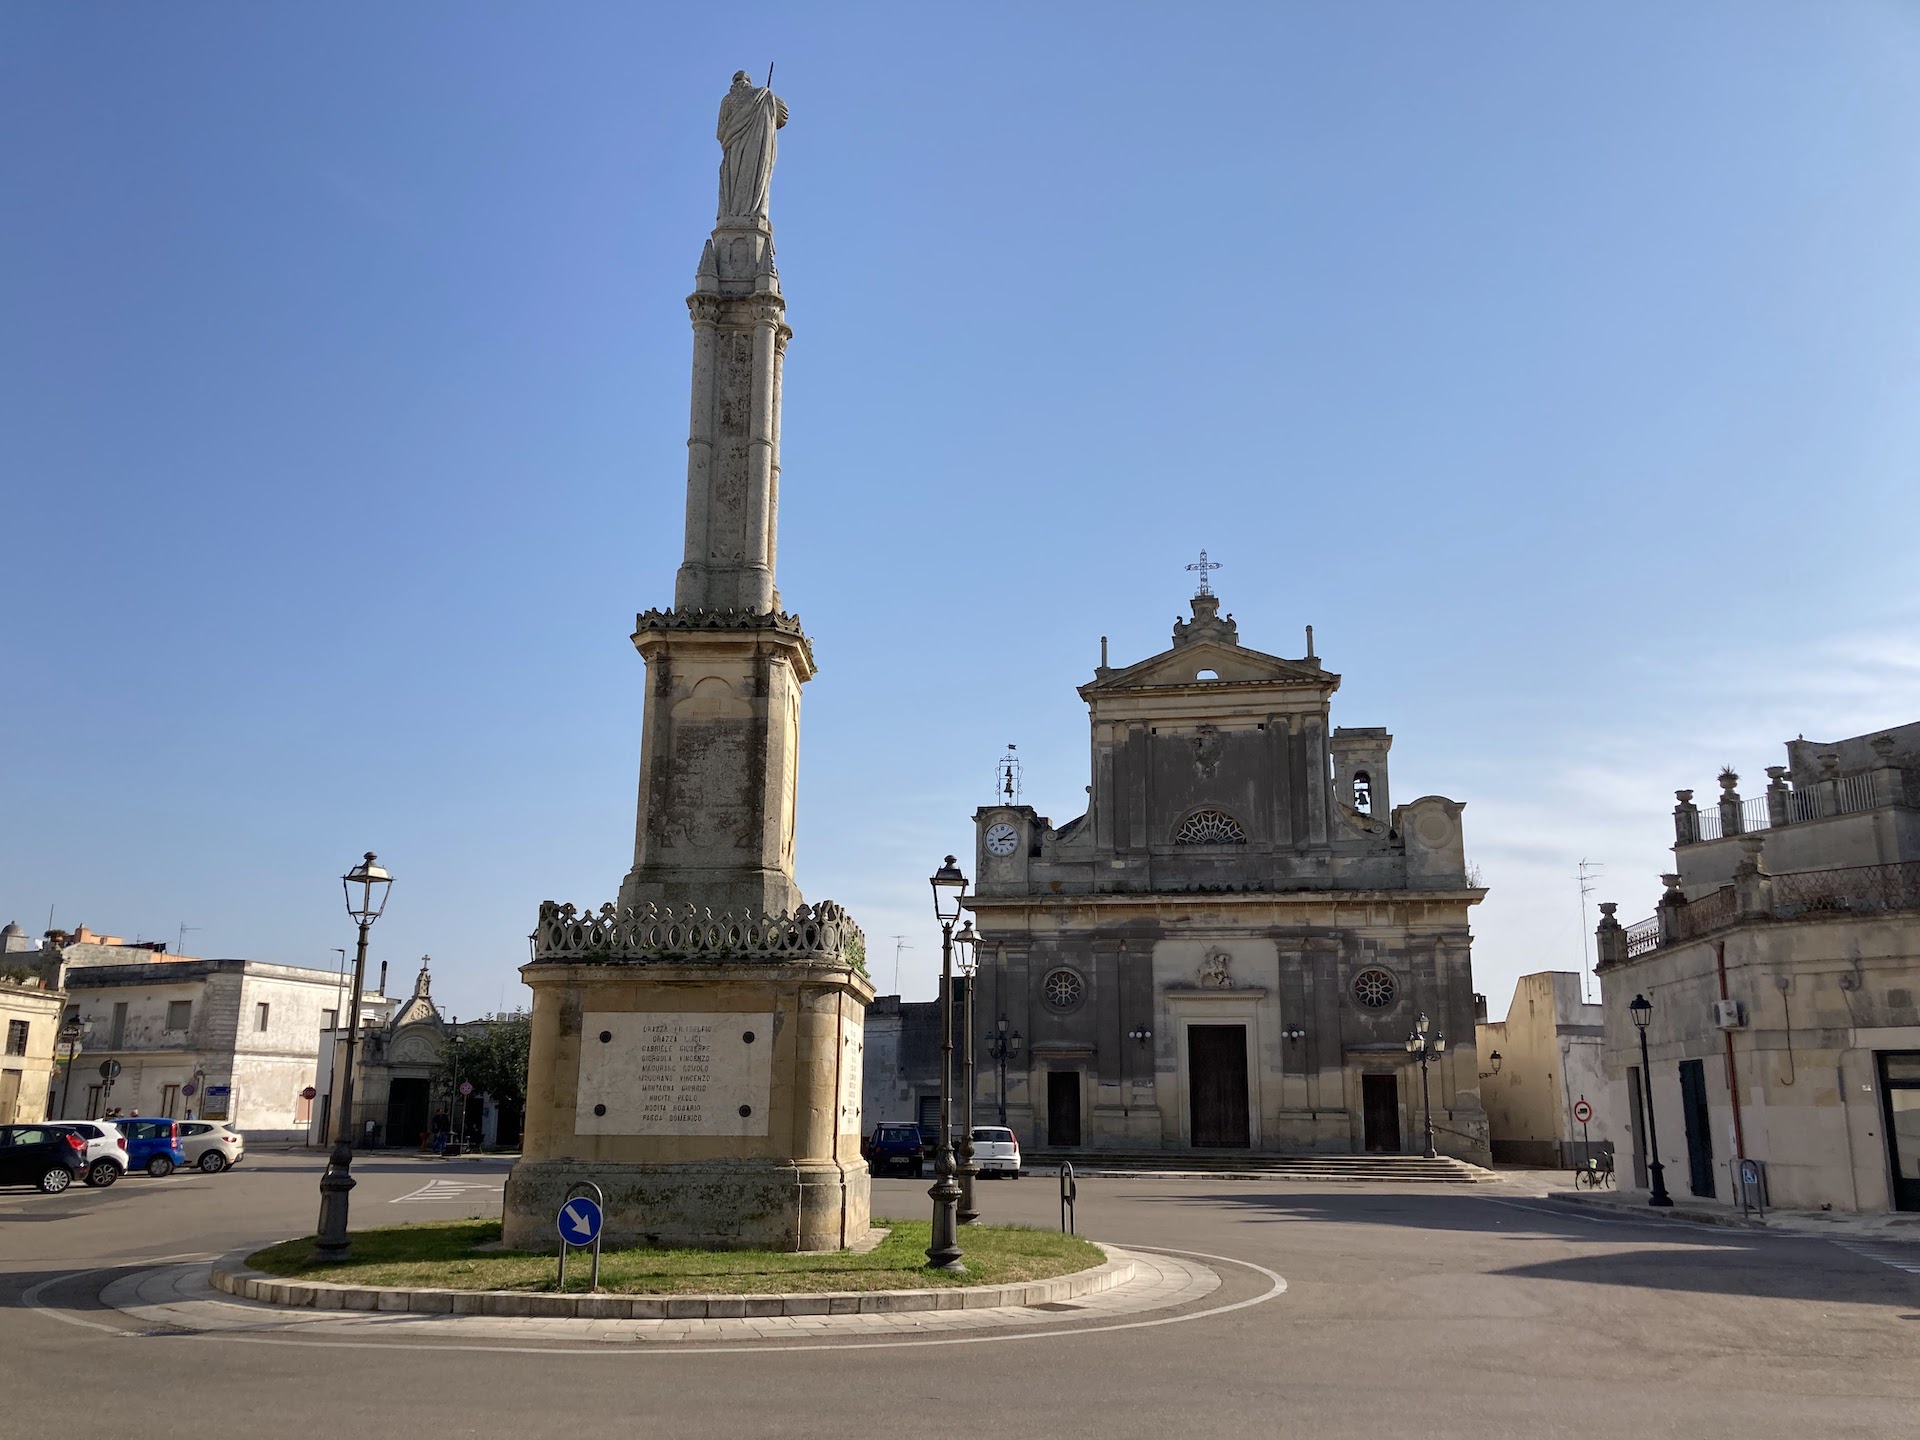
(443, 1255)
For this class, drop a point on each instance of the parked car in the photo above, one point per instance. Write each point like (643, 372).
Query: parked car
(894, 1147)
(211, 1145)
(995, 1151)
(42, 1155)
(106, 1152)
(152, 1145)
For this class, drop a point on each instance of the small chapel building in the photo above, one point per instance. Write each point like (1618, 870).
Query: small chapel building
(1229, 949)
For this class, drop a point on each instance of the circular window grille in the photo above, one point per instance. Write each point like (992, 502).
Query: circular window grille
(1373, 989)
(1210, 827)
(1063, 989)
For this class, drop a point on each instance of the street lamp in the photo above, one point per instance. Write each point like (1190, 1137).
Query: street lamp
(70, 1034)
(372, 884)
(964, 943)
(949, 889)
(1641, 1009)
(1003, 1045)
(1493, 1059)
(1426, 1049)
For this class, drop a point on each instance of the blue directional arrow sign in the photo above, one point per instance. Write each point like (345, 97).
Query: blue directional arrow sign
(579, 1221)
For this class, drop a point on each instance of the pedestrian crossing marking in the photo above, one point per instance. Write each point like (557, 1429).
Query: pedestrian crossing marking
(1905, 1258)
(441, 1190)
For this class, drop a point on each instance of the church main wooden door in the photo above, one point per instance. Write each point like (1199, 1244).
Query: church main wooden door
(1217, 1085)
(1063, 1108)
(1380, 1112)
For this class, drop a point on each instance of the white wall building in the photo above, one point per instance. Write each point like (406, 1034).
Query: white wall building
(233, 1040)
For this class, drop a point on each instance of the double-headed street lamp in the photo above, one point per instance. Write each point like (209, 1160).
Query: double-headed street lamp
(1641, 1009)
(1426, 1049)
(372, 884)
(1003, 1045)
(949, 891)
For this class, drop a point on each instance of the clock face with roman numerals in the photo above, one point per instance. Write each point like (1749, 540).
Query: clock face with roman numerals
(1002, 839)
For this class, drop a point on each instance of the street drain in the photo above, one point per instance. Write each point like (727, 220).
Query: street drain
(1057, 1305)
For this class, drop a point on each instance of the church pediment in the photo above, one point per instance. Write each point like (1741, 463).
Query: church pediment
(1210, 662)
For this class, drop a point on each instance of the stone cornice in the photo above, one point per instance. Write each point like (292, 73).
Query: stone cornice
(724, 622)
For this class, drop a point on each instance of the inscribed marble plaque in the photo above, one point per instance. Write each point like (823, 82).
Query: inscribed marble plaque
(852, 1044)
(680, 1073)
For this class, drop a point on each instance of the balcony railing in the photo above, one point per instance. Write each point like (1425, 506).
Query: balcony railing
(1853, 890)
(1643, 935)
(1850, 794)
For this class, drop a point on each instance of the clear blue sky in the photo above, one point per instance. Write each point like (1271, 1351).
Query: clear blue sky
(1558, 364)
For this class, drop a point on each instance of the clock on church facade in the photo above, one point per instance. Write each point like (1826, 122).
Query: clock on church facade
(1228, 949)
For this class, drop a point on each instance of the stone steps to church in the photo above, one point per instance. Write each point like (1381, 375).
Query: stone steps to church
(1384, 1169)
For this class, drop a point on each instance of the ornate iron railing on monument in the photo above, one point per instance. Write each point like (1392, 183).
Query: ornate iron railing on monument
(821, 934)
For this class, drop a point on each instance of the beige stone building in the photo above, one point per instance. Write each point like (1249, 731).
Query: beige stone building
(1229, 948)
(30, 1014)
(1537, 1066)
(1783, 972)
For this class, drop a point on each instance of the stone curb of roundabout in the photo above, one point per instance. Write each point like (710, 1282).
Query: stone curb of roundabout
(231, 1275)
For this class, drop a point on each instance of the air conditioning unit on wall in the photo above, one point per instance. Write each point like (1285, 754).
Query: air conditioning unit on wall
(1729, 1014)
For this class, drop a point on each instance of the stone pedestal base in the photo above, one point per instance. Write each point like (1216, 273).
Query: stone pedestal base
(709, 1204)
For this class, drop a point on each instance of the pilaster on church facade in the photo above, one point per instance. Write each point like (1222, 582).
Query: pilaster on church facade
(1228, 949)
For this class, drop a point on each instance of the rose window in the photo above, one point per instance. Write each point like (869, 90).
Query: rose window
(1373, 989)
(1210, 827)
(1063, 989)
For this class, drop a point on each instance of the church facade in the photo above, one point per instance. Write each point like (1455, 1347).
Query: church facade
(1228, 950)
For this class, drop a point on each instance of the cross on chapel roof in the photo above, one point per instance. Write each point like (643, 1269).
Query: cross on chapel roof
(1203, 565)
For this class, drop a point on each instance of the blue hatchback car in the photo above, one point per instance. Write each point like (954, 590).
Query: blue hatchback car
(152, 1145)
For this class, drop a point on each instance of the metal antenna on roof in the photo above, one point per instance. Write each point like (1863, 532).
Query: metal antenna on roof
(1588, 870)
(899, 944)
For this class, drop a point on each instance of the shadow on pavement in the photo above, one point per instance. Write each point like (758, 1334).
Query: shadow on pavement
(1737, 1268)
(1699, 1258)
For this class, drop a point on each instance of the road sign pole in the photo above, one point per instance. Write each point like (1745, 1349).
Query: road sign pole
(586, 1214)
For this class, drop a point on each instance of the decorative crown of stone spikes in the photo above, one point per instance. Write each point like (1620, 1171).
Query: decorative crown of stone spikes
(822, 934)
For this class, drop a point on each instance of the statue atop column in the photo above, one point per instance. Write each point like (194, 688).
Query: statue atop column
(749, 116)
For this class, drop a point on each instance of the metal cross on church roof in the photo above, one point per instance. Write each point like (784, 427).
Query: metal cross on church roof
(1203, 565)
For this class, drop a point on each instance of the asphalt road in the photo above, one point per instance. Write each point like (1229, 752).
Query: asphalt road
(1474, 1312)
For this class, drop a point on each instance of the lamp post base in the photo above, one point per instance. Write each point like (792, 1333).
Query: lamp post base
(336, 1185)
(1659, 1199)
(945, 1252)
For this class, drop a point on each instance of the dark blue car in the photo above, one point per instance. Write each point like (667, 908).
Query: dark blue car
(895, 1147)
(152, 1145)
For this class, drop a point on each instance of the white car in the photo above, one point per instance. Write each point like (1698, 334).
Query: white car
(211, 1145)
(995, 1151)
(106, 1152)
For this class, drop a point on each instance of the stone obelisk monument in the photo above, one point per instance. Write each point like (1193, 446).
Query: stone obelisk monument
(697, 1046)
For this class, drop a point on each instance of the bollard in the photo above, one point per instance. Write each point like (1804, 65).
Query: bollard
(1069, 1192)
(593, 1279)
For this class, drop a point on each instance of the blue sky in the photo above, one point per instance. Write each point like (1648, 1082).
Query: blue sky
(1558, 364)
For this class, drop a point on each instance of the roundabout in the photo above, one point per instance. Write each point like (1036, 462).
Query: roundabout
(1133, 1288)
(1486, 1308)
